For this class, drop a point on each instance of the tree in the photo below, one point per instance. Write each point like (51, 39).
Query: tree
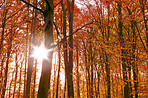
(123, 51)
(47, 65)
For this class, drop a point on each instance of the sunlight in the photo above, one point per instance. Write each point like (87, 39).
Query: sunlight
(40, 52)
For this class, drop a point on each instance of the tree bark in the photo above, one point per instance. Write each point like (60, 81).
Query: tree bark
(70, 5)
(58, 75)
(123, 52)
(16, 72)
(7, 64)
(20, 79)
(47, 65)
(77, 71)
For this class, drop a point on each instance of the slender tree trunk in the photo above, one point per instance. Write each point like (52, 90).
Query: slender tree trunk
(1, 45)
(92, 74)
(106, 56)
(77, 71)
(58, 75)
(7, 66)
(54, 80)
(133, 59)
(24, 92)
(107, 68)
(29, 71)
(30, 62)
(3, 30)
(143, 4)
(20, 80)
(65, 88)
(11, 84)
(87, 72)
(98, 82)
(34, 34)
(64, 45)
(1, 74)
(34, 80)
(16, 72)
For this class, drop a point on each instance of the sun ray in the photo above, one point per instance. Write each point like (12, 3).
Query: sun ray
(40, 52)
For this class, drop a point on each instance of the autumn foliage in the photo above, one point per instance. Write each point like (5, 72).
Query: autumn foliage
(98, 48)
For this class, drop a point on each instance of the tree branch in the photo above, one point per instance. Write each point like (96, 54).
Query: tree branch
(47, 3)
(14, 13)
(77, 30)
(32, 6)
(83, 27)
(56, 28)
(57, 4)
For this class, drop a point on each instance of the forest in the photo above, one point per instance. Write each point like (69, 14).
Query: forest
(73, 49)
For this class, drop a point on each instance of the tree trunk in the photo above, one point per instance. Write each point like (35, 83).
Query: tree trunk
(7, 64)
(64, 45)
(34, 34)
(47, 65)
(69, 72)
(123, 52)
(30, 61)
(20, 79)
(58, 75)
(24, 92)
(34, 80)
(91, 63)
(11, 84)
(143, 6)
(87, 71)
(29, 71)
(1, 46)
(16, 72)
(77, 71)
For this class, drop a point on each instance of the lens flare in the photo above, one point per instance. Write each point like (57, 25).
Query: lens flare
(40, 52)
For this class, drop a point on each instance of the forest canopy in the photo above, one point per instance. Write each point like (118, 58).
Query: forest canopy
(73, 49)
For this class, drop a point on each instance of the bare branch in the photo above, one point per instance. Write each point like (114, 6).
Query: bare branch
(56, 28)
(83, 27)
(32, 6)
(14, 13)
(57, 4)
(77, 30)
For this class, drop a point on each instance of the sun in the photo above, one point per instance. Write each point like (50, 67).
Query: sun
(40, 52)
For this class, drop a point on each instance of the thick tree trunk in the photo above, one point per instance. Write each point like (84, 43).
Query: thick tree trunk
(123, 52)
(69, 72)
(47, 65)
